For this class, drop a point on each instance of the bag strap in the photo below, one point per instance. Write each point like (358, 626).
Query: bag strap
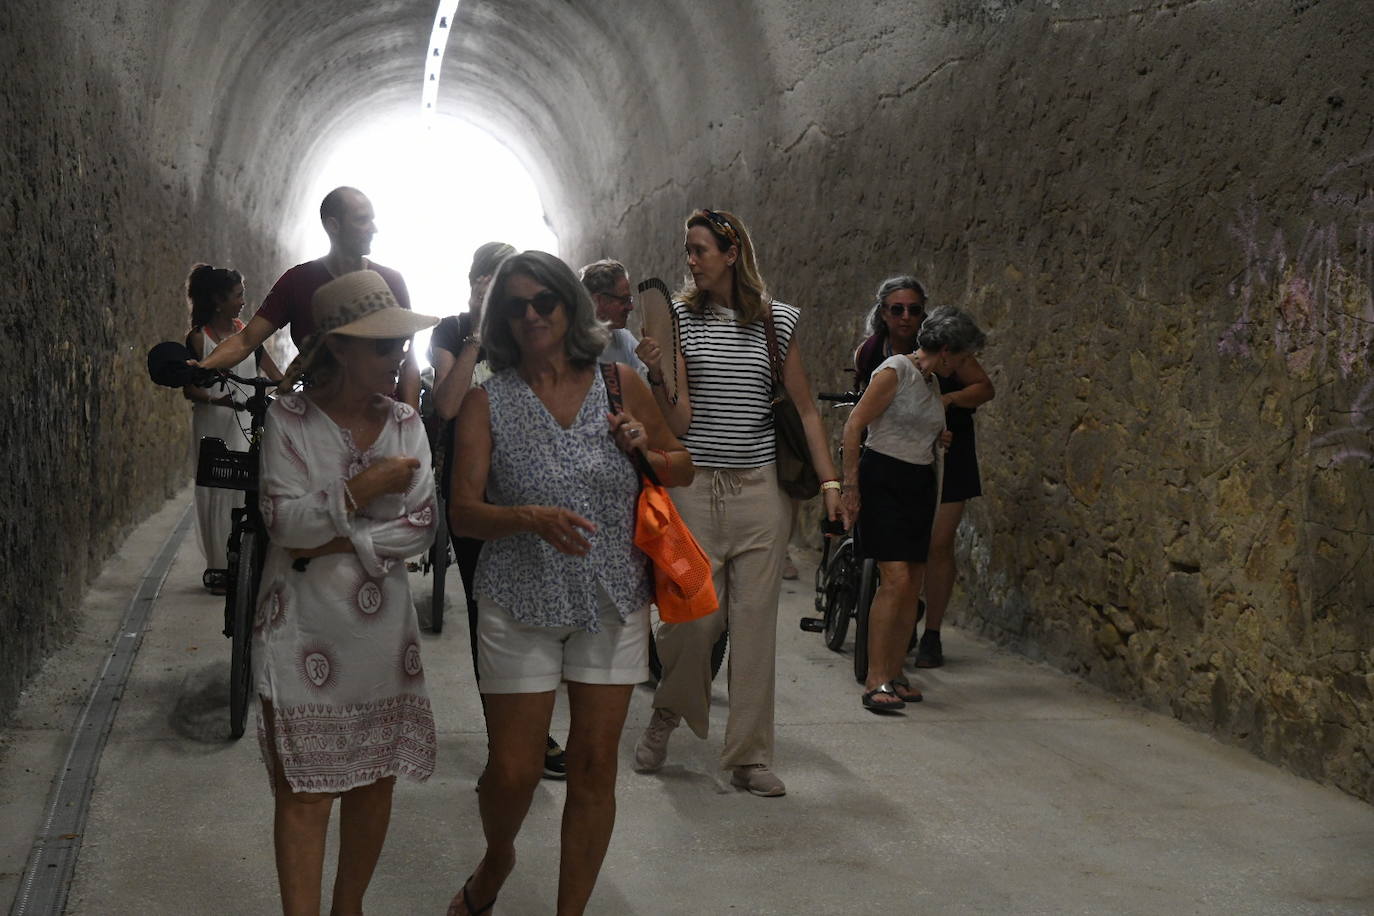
(610, 374)
(774, 357)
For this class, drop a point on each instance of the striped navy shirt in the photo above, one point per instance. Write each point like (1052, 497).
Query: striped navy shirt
(730, 384)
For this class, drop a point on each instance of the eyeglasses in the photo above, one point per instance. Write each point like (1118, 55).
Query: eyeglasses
(898, 309)
(388, 345)
(623, 300)
(544, 303)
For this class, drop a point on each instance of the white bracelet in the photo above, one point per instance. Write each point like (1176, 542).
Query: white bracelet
(348, 498)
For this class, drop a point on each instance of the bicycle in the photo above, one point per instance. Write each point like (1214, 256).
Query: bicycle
(846, 582)
(219, 466)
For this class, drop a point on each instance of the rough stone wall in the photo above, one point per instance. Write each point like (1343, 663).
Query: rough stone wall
(100, 230)
(1162, 213)
(1160, 210)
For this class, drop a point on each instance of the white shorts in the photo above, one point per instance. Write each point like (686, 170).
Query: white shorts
(515, 658)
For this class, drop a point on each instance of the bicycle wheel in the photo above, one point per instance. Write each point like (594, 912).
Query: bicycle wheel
(717, 656)
(868, 585)
(247, 567)
(916, 627)
(838, 594)
(438, 566)
(718, 653)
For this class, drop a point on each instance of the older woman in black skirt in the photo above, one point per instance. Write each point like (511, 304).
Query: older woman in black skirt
(891, 493)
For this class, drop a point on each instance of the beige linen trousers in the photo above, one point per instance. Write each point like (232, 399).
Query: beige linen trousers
(742, 520)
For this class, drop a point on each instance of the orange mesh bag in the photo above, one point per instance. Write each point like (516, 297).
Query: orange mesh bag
(683, 589)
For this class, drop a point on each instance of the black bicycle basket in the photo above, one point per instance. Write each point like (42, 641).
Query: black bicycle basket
(220, 467)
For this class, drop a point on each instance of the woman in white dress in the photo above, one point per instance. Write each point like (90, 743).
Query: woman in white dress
(216, 298)
(347, 494)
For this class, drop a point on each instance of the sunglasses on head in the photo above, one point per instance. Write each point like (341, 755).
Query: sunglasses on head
(388, 345)
(544, 303)
(898, 309)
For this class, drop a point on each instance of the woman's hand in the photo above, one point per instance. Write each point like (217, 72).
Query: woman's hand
(392, 474)
(946, 437)
(562, 528)
(651, 355)
(627, 432)
(849, 506)
(337, 545)
(831, 498)
(479, 292)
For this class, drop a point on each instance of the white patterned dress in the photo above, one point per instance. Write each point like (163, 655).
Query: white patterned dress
(336, 646)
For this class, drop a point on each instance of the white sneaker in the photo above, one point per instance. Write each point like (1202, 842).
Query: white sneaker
(759, 780)
(652, 748)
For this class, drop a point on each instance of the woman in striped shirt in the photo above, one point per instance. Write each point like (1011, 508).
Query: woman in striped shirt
(724, 417)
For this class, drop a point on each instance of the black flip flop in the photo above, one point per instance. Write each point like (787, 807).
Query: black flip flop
(874, 706)
(467, 902)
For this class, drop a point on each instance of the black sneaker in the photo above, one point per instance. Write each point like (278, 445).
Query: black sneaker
(929, 654)
(555, 761)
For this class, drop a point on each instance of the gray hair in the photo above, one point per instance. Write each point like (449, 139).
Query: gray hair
(876, 325)
(601, 276)
(948, 328)
(587, 335)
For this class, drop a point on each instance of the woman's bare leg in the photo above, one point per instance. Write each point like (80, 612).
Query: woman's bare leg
(364, 814)
(299, 825)
(890, 619)
(940, 573)
(598, 718)
(517, 727)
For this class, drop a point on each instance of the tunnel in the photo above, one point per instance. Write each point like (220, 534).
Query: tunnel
(1162, 212)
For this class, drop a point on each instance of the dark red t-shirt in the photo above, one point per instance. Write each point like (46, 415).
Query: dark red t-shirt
(289, 300)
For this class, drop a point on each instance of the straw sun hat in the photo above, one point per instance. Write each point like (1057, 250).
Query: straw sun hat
(358, 304)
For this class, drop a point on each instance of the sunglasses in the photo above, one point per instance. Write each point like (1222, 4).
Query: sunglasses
(898, 309)
(388, 345)
(544, 303)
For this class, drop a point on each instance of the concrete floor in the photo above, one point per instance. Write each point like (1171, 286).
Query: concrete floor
(1012, 789)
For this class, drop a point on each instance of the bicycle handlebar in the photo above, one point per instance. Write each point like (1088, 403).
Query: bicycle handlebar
(167, 366)
(843, 397)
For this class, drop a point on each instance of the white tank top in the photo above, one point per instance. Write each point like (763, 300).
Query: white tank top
(907, 430)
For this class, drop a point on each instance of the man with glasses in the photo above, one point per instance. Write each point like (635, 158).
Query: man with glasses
(348, 220)
(609, 283)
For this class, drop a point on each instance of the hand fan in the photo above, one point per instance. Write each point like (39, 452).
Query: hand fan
(658, 322)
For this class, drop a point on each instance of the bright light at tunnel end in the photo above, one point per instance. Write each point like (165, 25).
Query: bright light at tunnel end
(440, 187)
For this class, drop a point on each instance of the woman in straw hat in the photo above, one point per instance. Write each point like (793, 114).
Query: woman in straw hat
(562, 591)
(347, 494)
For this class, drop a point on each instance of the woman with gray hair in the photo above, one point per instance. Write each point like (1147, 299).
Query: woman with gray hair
(562, 591)
(896, 317)
(891, 493)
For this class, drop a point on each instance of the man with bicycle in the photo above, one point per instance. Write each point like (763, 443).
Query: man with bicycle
(349, 221)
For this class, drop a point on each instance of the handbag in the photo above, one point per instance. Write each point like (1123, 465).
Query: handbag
(683, 587)
(796, 473)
